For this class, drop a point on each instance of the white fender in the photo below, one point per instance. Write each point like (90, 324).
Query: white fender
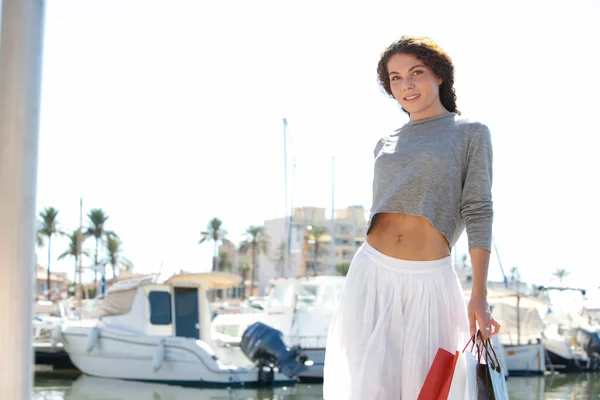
(56, 335)
(93, 339)
(159, 356)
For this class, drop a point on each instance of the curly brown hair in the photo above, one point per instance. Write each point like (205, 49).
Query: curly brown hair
(432, 55)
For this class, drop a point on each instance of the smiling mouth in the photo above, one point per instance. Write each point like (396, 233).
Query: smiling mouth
(413, 97)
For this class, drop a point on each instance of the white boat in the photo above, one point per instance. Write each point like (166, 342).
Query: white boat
(520, 335)
(46, 316)
(153, 332)
(571, 338)
(564, 353)
(301, 308)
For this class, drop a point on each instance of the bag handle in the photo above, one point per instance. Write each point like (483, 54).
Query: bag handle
(474, 345)
(486, 345)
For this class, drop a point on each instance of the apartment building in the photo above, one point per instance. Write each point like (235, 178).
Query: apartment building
(336, 245)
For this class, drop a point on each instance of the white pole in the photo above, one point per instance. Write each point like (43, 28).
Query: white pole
(78, 279)
(331, 263)
(21, 33)
(285, 215)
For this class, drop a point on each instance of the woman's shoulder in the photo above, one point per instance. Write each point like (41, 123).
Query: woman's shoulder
(471, 125)
(386, 138)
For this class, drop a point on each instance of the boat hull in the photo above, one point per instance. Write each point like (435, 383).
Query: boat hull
(525, 360)
(171, 360)
(56, 357)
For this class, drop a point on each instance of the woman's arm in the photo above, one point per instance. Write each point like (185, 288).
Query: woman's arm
(478, 308)
(477, 213)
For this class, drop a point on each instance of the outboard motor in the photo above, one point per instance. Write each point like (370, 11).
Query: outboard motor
(590, 341)
(264, 346)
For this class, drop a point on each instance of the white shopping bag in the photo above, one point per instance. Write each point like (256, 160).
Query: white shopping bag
(498, 382)
(464, 378)
(471, 370)
(484, 375)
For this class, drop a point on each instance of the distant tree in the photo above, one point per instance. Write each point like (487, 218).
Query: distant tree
(96, 220)
(258, 242)
(561, 274)
(245, 268)
(342, 269)
(317, 233)
(72, 251)
(215, 233)
(39, 238)
(224, 262)
(48, 227)
(115, 258)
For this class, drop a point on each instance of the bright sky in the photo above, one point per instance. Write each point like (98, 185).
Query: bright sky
(168, 113)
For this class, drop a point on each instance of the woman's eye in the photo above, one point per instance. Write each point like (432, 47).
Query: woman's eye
(417, 72)
(395, 78)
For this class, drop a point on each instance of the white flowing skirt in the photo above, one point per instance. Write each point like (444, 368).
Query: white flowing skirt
(392, 318)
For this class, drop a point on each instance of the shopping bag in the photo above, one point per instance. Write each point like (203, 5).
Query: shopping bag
(438, 380)
(471, 384)
(491, 384)
(485, 378)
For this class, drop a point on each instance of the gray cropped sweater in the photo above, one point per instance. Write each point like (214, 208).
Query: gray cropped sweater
(439, 168)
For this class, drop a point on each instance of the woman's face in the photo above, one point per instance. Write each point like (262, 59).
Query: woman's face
(415, 86)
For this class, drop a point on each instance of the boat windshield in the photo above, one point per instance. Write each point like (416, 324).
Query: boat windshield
(281, 296)
(307, 296)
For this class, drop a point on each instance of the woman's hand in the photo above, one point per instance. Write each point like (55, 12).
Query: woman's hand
(479, 312)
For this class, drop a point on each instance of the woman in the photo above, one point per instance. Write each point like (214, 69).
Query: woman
(402, 299)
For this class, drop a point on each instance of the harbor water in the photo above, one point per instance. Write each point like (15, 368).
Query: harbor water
(47, 387)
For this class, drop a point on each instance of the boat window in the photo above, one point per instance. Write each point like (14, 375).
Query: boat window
(160, 308)
(307, 296)
(281, 295)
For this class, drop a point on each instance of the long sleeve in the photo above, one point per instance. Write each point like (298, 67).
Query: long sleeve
(476, 206)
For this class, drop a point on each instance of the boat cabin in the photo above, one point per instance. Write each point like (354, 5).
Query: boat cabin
(177, 307)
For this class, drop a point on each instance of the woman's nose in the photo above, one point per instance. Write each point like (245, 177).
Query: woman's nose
(407, 84)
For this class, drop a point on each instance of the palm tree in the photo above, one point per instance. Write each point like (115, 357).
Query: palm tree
(224, 262)
(48, 227)
(258, 242)
(317, 232)
(114, 256)
(244, 267)
(72, 251)
(561, 274)
(96, 220)
(39, 238)
(216, 233)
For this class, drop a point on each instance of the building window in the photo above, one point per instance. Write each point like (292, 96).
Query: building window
(160, 308)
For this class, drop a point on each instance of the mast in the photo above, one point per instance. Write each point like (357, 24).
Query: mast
(290, 224)
(78, 279)
(500, 263)
(331, 263)
(285, 180)
(517, 294)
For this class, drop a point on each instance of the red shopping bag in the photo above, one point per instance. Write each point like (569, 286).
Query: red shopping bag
(438, 380)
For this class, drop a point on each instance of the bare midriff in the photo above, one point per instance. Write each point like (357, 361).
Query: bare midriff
(407, 237)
